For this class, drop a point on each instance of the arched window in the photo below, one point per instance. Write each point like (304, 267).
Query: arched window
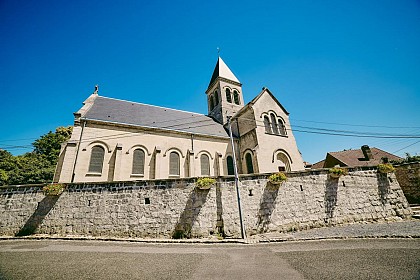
(211, 103)
(249, 165)
(267, 125)
(138, 162)
(282, 128)
(230, 168)
(236, 97)
(96, 159)
(205, 165)
(274, 125)
(228, 96)
(174, 164)
(216, 98)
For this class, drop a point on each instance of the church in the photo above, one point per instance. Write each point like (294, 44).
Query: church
(118, 140)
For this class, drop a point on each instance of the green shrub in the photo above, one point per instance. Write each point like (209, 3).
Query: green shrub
(336, 172)
(277, 178)
(205, 183)
(53, 189)
(385, 168)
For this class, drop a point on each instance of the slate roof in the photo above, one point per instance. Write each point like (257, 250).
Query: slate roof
(223, 71)
(125, 112)
(353, 158)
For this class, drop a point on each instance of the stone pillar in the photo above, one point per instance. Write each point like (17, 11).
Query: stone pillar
(117, 166)
(219, 164)
(68, 164)
(191, 163)
(158, 163)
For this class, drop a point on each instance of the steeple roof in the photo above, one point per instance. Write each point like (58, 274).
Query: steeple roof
(222, 70)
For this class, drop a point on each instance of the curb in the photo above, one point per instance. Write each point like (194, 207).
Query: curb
(204, 241)
(134, 240)
(409, 230)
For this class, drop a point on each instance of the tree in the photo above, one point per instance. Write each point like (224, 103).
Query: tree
(37, 166)
(49, 145)
(408, 158)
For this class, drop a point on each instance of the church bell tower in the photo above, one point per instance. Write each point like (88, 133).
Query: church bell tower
(224, 93)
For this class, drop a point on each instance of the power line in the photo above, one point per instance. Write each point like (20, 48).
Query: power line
(114, 136)
(407, 146)
(328, 132)
(359, 132)
(357, 135)
(309, 121)
(311, 130)
(348, 133)
(14, 140)
(15, 148)
(361, 125)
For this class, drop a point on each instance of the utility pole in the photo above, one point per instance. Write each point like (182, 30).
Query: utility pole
(235, 168)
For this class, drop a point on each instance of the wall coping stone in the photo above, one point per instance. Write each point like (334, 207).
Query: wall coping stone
(174, 182)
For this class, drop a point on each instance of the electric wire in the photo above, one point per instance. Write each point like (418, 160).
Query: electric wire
(361, 125)
(305, 129)
(407, 146)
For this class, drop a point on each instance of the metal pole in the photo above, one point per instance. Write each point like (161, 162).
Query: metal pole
(78, 148)
(235, 168)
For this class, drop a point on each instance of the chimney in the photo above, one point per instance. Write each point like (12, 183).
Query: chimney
(367, 152)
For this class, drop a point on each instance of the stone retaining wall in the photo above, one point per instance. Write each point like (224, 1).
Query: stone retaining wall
(176, 209)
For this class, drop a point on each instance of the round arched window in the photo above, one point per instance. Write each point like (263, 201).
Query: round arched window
(174, 164)
(228, 96)
(267, 125)
(230, 167)
(236, 97)
(211, 103)
(96, 159)
(249, 164)
(205, 165)
(138, 162)
(216, 98)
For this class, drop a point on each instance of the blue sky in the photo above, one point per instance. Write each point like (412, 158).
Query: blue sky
(354, 63)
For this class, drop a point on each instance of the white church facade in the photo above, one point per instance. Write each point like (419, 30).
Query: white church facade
(117, 140)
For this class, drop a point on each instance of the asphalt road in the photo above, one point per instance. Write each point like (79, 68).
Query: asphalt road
(334, 259)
